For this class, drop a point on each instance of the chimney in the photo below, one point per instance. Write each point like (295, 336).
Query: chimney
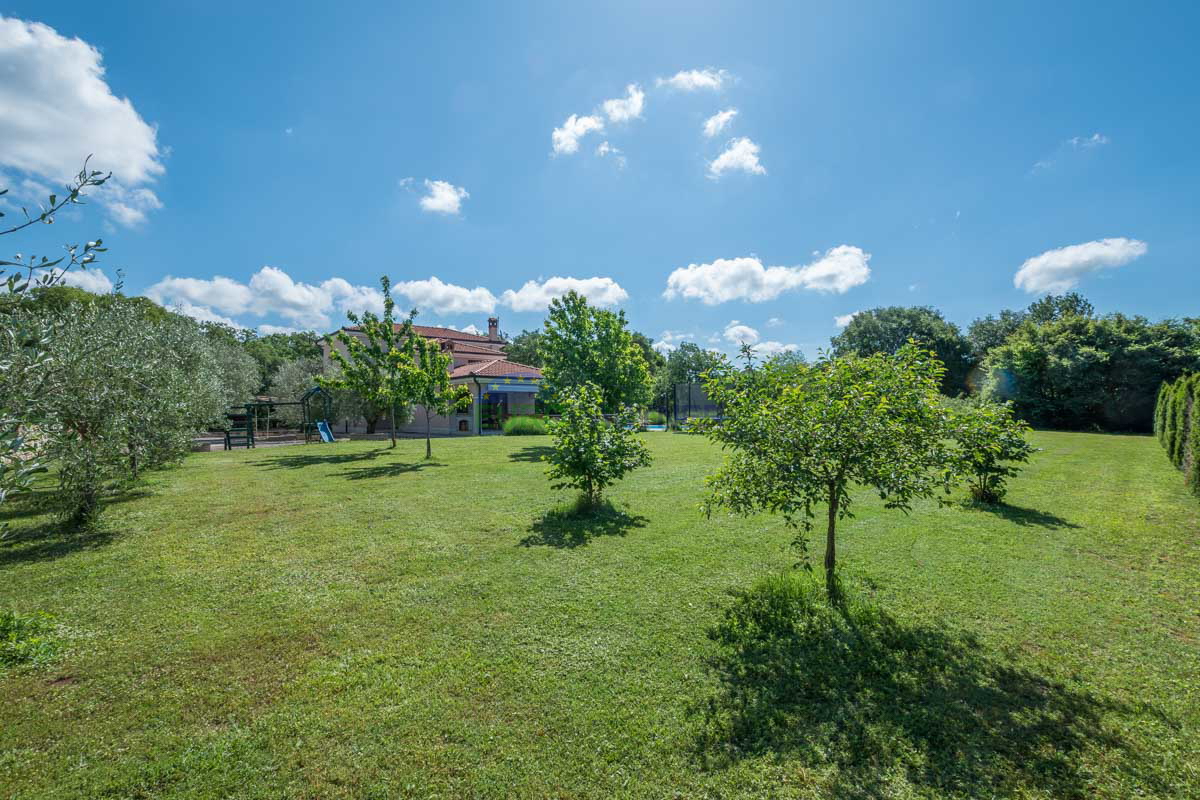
(493, 329)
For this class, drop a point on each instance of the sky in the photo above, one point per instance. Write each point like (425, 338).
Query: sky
(722, 172)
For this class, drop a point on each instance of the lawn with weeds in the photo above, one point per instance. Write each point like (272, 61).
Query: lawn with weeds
(348, 620)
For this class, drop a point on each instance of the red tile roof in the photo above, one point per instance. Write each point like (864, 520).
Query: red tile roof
(497, 368)
(495, 349)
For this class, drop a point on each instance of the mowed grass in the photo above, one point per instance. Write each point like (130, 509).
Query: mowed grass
(345, 620)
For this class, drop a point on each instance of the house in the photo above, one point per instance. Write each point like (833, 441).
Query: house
(499, 388)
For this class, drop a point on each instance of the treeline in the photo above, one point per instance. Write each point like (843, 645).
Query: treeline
(1177, 425)
(1059, 363)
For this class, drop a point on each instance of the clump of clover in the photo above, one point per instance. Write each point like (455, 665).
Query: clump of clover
(990, 442)
(591, 452)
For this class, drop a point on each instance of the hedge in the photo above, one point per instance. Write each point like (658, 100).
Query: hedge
(1177, 423)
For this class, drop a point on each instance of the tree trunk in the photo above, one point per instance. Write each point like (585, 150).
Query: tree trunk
(831, 588)
(428, 444)
(393, 424)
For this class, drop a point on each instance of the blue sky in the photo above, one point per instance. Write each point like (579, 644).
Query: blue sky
(879, 155)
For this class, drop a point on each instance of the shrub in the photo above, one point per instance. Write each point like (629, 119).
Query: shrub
(590, 453)
(1160, 413)
(525, 426)
(656, 418)
(989, 442)
(1181, 405)
(26, 639)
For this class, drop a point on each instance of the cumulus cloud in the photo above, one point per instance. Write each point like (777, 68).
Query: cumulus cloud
(536, 296)
(719, 122)
(58, 109)
(740, 334)
(267, 330)
(606, 149)
(565, 140)
(691, 80)
(739, 154)
(1061, 269)
(845, 319)
(838, 270)
(446, 298)
(203, 314)
(90, 280)
(623, 109)
(774, 322)
(468, 329)
(444, 197)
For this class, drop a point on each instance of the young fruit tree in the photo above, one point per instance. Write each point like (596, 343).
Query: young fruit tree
(990, 441)
(434, 392)
(590, 452)
(806, 434)
(377, 365)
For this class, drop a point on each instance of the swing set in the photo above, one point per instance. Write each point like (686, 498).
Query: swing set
(316, 407)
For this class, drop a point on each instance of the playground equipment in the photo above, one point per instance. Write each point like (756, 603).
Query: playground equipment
(316, 407)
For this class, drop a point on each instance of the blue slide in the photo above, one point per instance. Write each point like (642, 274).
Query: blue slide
(323, 429)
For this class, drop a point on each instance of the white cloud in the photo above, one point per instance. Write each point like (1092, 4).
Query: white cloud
(719, 121)
(1061, 269)
(446, 298)
(221, 293)
(838, 270)
(267, 330)
(606, 149)
(739, 154)
(58, 109)
(90, 280)
(772, 348)
(691, 80)
(623, 109)
(662, 347)
(469, 329)
(204, 314)
(535, 296)
(845, 319)
(774, 322)
(444, 197)
(346, 296)
(740, 334)
(566, 139)
(1095, 140)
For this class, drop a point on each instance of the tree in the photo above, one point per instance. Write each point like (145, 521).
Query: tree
(1052, 308)
(274, 350)
(433, 388)
(805, 435)
(1079, 372)
(29, 376)
(684, 364)
(887, 330)
(377, 365)
(987, 333)
(586, 345)
(525, 348)
(990, 441)
(591, 453)
(296, 377)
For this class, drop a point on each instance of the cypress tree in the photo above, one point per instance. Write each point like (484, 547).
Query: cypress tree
(1182, 396)
(1160, 413)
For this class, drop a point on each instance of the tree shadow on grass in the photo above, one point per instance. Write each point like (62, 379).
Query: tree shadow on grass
(893, 707)
(1025, 517)
(300, 461)
(387, 470)
(576, 526)
(48, 541)
(531, 454)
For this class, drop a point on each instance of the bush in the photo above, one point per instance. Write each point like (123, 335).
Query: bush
(1182, 418)
(1193, 474)
(656, 418)
(525, 426)
(989, 441)
(1178, 423)
(591, 453)
(26, 639)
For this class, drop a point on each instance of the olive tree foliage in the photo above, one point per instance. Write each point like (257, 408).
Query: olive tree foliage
(433, 390)
(590, 453)
(804, 435)
(377, 364)
(27, 375)
(990, 443)
(293, 378)
(583, 345)
(139, 391)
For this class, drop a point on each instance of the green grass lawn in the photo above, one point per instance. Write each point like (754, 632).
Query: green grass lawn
(348, 621)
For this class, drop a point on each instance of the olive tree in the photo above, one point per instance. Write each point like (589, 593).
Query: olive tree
(591, 453)
(805, 435)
